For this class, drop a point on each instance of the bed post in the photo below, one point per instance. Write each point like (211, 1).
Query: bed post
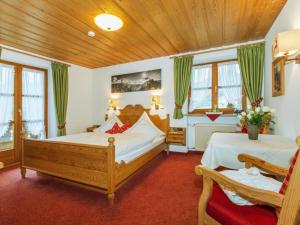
(111, 171)
(22, 168)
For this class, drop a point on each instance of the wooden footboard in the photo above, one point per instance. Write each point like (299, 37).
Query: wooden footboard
(89, 165)
(86, 164)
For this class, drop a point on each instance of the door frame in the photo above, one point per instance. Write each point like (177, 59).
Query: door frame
(13, 157)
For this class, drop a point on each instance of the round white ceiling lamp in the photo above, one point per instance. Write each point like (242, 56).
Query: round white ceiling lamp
(108, 22)
(91, 33)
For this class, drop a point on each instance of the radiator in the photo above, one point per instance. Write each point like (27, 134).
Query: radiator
(204, 131)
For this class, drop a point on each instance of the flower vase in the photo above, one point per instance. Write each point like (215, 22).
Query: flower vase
(253, 132)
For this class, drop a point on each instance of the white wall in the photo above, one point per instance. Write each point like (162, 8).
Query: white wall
(102, 89)
(79, 114)
(80, 102)
(287, 106)
(102, 85)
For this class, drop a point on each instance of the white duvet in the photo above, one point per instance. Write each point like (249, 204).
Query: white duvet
(125, 143)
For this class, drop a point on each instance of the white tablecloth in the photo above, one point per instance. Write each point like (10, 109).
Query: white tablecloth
(224, 148)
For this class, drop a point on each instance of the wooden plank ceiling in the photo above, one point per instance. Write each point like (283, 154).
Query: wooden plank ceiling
(152, 28)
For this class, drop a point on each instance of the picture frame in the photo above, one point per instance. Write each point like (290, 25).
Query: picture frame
(278, 78)
(138, 81)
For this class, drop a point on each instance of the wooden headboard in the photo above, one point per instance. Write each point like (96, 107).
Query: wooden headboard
(132, 113)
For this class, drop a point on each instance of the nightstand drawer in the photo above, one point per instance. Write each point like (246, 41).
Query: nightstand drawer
(176, 136)
(175, 141)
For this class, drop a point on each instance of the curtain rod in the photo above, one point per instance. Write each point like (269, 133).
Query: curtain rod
(32, 54)
(224, 47)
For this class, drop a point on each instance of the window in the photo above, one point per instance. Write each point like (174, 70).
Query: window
(23, 107)
(201, 86)
(218, 85)
(229, 85)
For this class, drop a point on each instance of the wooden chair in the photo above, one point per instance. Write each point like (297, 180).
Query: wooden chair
(270, 208)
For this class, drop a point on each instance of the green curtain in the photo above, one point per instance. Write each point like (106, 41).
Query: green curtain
(251, 60)
(60, 86)
(182, 81)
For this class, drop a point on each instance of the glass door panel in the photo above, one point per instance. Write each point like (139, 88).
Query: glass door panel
(7, 97)
(23, 107)
(33, 103)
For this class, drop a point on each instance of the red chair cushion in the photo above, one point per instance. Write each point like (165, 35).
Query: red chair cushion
(114, 130)
(288, 176)
(227, 213)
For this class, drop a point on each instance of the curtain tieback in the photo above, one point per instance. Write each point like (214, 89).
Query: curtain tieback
(62, 126)
(256, 102)
(178, 106)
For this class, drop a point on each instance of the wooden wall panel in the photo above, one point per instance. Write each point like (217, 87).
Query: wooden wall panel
(152, 28)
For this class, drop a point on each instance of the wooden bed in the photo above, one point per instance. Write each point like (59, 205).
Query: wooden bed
(90, 165)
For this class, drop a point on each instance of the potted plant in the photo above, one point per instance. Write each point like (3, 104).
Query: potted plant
(256, 119)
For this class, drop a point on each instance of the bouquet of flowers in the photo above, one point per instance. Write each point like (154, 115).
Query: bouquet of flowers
(258, 116)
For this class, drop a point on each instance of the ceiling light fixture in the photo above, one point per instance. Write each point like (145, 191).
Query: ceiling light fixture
(108, 22)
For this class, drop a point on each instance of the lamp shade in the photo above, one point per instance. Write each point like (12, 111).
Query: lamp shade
(108, 22)
(286, 43)
(113, 103)
(155, 99)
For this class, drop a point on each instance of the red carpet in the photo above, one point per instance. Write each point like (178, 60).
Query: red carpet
(166, 192)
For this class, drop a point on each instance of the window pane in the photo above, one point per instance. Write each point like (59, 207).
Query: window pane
(203, 99)
(33, 102)
(201, 88)
(230, 85)
(230, 95)
(6, 107)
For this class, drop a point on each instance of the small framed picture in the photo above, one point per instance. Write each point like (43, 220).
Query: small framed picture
(278, 77)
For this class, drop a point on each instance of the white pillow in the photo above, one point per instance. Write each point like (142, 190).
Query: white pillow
(146, 126)
(250, 177)
(108, 124)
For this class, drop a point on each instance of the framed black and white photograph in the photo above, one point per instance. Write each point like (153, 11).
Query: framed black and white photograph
(140, 81)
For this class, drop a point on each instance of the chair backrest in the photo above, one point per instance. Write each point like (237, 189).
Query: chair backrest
(291, 203)
(290, 171)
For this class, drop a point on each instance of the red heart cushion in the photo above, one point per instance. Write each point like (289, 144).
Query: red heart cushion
(125, 127)
(114, 130)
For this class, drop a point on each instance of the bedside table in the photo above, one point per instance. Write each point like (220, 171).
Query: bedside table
(176, 136)
(92, 128)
